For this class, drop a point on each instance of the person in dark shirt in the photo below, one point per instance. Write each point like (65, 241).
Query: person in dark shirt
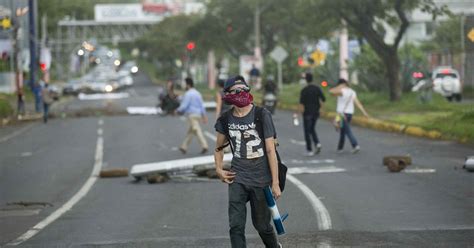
(311, 100)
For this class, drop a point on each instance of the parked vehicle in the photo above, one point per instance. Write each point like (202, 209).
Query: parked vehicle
(446, 81)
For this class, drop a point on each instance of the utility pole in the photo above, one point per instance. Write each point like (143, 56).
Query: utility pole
(15, 62)
(32, 38)
(257, 49)
(343, 52)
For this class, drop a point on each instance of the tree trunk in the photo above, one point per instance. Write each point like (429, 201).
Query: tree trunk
(392, 64)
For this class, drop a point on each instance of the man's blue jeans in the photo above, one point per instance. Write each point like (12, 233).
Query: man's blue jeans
(45, 112)
(309, 125)
(239, 195)
(346, 130)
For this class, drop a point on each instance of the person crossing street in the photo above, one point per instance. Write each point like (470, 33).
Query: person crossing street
(192, 106)
(311, 100)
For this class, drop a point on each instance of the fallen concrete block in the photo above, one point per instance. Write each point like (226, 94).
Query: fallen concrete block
(140, 170)
(117, 172)
(395, 165)
(211, 174)
(157, 178)
(202, 170)
(406, 159)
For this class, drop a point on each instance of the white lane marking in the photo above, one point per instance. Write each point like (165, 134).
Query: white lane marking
(99, 153)
(103, 96)
(101, 122)
(100, 131)
(26, 154)
(297, 142)
(314, 161)
(16, 133)
(419, 170)
(322, 214)
(144, 110)
(312, 170)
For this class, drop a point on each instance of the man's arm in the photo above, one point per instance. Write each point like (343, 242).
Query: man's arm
(218, 104)
(184, 104)
(359, 105)
(273, 164)
(301, 105)
(203, 112)
(336, 91)
(225, 176)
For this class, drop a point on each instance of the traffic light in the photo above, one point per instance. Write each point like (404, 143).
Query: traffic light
(43, 66)
(190, 46)
(324, 84)
(417, 75)
(300, 61)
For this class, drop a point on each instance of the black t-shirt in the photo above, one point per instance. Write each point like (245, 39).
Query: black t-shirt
(310, 97)
(249, 162)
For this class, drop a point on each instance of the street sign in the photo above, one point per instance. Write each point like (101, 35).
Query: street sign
(279, 54)
(470, 35)
(6, 23)
(318, 57)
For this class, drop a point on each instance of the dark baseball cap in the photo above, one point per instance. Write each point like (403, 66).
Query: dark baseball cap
(233, 81)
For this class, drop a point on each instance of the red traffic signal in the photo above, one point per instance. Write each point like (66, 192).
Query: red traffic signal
(324, 84)
(190, 46)
(300, 61)
(417, 75)
(43, 66)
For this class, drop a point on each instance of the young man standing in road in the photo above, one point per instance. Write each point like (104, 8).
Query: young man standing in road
(346, 97)
(253, 167)
(311, 100)
(193, 106)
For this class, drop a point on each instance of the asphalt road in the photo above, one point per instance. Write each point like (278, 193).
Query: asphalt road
(45, 166)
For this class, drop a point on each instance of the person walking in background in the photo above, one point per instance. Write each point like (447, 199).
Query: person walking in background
(20, 103)
(346, 97)
(221, 106)
(255, 77)
(311, 100)
(192, 105)
(47, 101)
(169, 101)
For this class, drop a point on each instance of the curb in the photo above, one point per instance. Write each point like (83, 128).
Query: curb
(386, 126)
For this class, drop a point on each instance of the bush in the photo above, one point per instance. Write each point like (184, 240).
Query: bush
(5, 108)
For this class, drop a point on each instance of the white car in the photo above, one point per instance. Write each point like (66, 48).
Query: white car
(446, 81)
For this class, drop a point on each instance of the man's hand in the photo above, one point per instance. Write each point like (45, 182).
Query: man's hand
(276, 190)
(226, 176)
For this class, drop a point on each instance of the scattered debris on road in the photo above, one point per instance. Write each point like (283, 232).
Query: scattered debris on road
(117, 172)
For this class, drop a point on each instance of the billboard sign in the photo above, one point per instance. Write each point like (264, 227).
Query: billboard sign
(124, 13)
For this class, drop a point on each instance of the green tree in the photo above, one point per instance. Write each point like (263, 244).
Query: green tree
(367, 19)
(446, 38)
(166, 43)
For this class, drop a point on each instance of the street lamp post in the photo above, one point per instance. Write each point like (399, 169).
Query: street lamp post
(258, 12)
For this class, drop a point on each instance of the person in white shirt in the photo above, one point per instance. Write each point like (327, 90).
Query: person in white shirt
(346, 97)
